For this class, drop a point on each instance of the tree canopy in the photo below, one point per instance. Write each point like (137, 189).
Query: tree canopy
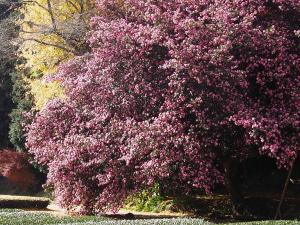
(51, 32)
(169, 92)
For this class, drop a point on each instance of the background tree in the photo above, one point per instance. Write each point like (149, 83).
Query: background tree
(51, 33)
(8, 31)
(5, 100)
(173, 92)
(45, 33)
(23, 104)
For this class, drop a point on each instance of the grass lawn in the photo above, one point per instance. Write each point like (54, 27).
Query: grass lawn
(21, 217)
(279, 222)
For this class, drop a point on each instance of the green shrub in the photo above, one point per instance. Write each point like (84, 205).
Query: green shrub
(24, 102)
(149, 201)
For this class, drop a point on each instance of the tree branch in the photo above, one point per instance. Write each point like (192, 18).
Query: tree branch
(35, 2)
(51, 44)
(74, 5)
(283, 194)
(51, 15)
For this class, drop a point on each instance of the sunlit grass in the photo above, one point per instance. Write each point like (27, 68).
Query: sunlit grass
(22, 217)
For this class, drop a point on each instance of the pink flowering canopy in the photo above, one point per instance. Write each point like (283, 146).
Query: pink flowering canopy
(170, 90)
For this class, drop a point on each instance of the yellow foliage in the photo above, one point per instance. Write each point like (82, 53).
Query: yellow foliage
(44, 92)
(40, 39)
(48, 37)
(42, 59)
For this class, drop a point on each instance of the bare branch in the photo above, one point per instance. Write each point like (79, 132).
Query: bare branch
(71, 31)
(51, 15)
(8, 31)
(81, 6)
(73, 5)
(35, 2)
(51, 44)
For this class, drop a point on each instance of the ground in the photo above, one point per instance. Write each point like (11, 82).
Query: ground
(21, 217)
(212, 210)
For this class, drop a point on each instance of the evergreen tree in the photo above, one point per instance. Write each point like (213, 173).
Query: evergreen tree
(24, 102)
(7, 63)
(5, 101)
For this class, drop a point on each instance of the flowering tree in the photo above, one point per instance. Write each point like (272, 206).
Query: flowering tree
(171, 92)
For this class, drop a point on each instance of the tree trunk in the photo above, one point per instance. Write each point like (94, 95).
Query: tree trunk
(231, 168)
(283, 194)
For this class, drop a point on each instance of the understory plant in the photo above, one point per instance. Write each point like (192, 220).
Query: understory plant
(149, 201)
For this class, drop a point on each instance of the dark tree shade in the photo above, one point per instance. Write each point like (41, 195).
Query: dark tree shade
(23, 101)
(7, 64)
(5, 100)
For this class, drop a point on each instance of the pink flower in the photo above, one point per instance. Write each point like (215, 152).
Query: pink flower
(169, 89)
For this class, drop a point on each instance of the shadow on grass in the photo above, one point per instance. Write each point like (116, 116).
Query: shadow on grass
(23, 202)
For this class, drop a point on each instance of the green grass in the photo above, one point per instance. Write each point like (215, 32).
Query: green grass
(278, 222)
(21, 217)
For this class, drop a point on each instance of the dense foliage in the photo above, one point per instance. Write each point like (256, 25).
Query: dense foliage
(170, 91)
(40, 49)
(150, 200)
(24, 103)
(51, 32)
(7, 64)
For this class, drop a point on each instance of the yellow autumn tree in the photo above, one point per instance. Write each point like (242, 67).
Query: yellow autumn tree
(51, 32)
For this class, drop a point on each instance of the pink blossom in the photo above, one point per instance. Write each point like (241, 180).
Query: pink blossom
(169, 90)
